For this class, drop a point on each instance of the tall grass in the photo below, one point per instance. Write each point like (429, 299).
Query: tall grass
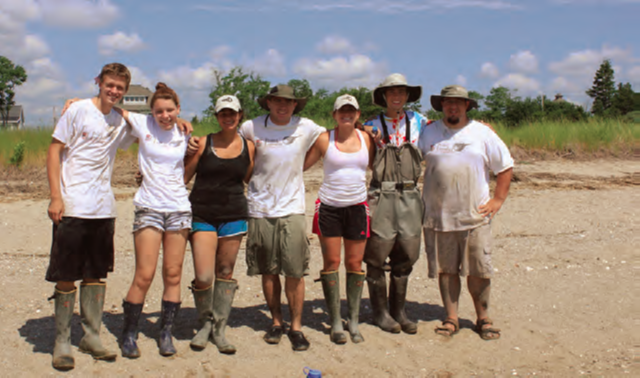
(608, 136)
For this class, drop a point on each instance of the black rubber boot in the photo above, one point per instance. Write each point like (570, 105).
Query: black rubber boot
(377, 283)
(203, 298)
(223, 294)
(91, 304)
(355, 281)
(64, 302)
(331, 289)
(167, 317)
(397, 298)
(132, 314)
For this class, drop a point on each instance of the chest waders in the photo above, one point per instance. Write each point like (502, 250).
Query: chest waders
(396, 228)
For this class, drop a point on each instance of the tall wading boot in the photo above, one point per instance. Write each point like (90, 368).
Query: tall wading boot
(132, 314)
(91, 304)
(355, 281)
(223, 293)
(167, 317)
(377, 283)
(203, 298)
(64, 302)
(331, 289)
(397, 298)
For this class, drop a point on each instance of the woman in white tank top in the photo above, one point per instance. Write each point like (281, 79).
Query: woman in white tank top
(342, 212)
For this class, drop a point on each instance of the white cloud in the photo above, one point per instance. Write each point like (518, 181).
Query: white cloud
(119, 41)
(489, 70)
(334, 45)
(185, 77)
(352, 71)
(633, 76)
(271, 63)
(139, 77)
(586, 62)
(461, 80)
(79, 13)
(565, 86)
(14, 14)
(524, 85)
(524, 62)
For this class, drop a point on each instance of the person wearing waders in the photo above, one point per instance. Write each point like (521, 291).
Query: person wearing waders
(459, 153)
(395, 203)
(83, 209)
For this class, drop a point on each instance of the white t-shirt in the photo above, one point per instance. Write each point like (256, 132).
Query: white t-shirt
(397, 128)
(91, 140)
(161, 161)
(276, 188)
(456, 179)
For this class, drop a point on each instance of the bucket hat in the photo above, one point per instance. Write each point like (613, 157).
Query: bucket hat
(345, 99)
(395, 80)
(228, 102)
(283, 91)
(452, 91)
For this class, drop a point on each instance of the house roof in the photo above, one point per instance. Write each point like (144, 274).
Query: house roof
(138, 90)
(15, 113)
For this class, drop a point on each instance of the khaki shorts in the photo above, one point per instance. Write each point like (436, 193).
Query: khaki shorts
(278, 246)
(460, 252)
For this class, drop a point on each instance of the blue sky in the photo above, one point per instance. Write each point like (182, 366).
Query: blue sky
(534, 46)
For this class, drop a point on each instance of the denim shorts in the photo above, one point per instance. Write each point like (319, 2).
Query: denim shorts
(163, 221)
(224, 229)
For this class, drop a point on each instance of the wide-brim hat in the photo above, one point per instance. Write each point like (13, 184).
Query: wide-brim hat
(395, 80)
(283, 91)
(452, 91)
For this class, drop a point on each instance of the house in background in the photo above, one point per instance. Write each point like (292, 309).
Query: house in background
(16, 118)
(137, 99)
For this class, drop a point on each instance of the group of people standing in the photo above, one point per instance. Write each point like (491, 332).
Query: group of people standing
(381, 224)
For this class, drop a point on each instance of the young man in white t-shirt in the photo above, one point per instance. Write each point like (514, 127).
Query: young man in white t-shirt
(83, 209)
(277, 241)
(459, 153)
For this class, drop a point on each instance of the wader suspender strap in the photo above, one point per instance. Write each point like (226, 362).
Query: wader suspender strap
(407, 126)
(266, 119)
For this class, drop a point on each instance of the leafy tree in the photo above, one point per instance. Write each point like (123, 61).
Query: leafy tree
(301, 88)
(603, 89)
(248, 87)
(496, 103)
(11, 76)
(623, 100)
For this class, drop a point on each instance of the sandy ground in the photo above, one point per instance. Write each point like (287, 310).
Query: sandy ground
(564, 294)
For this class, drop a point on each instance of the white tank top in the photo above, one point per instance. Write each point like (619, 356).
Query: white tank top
(345, 182)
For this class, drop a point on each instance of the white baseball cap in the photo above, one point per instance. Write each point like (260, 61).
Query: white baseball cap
(346, 99)
(228, 102)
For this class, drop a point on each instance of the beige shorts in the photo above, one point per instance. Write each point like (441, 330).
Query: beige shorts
(460, 252)
(278, 246)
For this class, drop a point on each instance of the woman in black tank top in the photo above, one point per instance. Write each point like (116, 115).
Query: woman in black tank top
(223, 165)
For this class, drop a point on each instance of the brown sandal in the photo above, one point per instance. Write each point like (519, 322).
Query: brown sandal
(446, 331)
(488, 333)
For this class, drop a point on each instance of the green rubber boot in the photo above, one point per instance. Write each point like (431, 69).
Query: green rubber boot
(355, 281)
(91, 304)
(223, 293)
(377, 283)
(331, 289)
(203, 299)
(397, 299)
(64, 302)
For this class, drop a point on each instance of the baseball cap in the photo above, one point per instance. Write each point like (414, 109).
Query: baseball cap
(228, 102)
(346, 99)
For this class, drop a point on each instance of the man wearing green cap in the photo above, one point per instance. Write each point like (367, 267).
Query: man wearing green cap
(459, 153)
(277, 241)
(396, 205)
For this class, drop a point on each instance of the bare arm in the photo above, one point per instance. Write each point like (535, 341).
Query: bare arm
(56, 206)
(252, 153)
(503, 182)
(316, 151)
(371, 146)
(185, 126)
(191, 161)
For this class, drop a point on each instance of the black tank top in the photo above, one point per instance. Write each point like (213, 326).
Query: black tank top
(218, 192)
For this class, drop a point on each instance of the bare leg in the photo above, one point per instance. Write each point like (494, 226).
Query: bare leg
(353, 254)
(174, 244)
(331, 248)
(226, 256)
(204, 245)
(450, 293)
(147, 245)
(272, 293)
(294, 289)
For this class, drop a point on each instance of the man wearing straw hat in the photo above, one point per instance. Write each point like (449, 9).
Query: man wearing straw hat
(459, 153)
(277, 241)
(395, 202)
